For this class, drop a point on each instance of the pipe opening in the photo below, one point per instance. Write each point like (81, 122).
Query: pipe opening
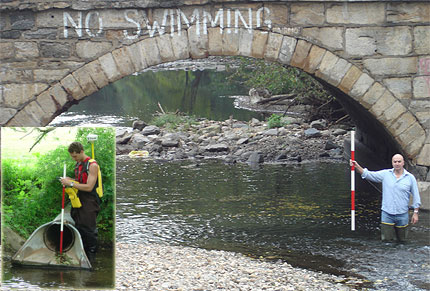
(51, 237)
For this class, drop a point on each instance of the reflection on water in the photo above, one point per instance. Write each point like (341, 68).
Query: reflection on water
(29, 278)
(296, 213)
(195, 93)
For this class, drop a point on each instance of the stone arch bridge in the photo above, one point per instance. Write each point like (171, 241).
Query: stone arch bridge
(373, 55)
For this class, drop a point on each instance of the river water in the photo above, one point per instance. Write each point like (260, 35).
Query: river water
(296, 213)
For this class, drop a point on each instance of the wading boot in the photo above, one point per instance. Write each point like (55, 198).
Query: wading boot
(402, 233)
(388, 232)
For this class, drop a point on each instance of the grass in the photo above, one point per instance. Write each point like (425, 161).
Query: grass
(172, 121)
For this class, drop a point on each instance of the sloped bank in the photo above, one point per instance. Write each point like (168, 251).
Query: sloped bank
(236, 141)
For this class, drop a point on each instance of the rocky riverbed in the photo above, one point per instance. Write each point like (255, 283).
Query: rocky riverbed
(158, 267)
(237, 141)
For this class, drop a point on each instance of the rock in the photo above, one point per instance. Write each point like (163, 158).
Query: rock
(312, 132)
(256, 158)
(219, 147)
(254, 121)
(324, 155)
(281, 157)
(139, 124)
(122, 149)
(151, 129)
(319, 124)
(271, 132)
(240, 125)
(124, 138)
(138, 141)
(242, 140)
(339, 131)
(256, 94)
(329, 145)
(170, 143)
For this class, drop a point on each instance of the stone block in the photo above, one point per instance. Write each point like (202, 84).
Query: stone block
(332, 69)
(22, 118)
(392, 66)
(91, 49)
(415, 12)
(15, 95)
(402, 123)
(412, 139)
(230, 44)
(97, 74)
(330, 37)
(7, 50)
(278, 15)
(424, 66)
(273, 46)
(109, 67)
(349, 79)
(314, 59)
(49, 75)
(197, 43)
(300, 54)
(392, 113)
(72, 87)
(424, 190)
(50, 19)
(353, 13)
(55, 50)
(361, 86)
(82, 75)
(424, 118)
(10, 34)
(400, 87)
(287, 49)
(34, 110)
(150, 51)
(215, 43)
(421, 87)
(258, 45)
(424, 156)
(165, 47)
(16, 75)
(367, 41)
(47, 103)
(245, 43)
(386, 101)
(137, 58)
(22, 20)
(180, 45)
(6, 114)
(307, 14)
(422, 39)
(373, 95)
(26, 50)
(42, 33)
(60, 96)
(123, 62)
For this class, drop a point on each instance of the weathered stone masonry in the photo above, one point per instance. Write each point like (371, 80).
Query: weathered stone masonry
(54, 53)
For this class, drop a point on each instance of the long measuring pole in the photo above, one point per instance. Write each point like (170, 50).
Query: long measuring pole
(353, 181)
(62, 213)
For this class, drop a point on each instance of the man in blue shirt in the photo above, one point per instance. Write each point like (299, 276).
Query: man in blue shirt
(397, 187)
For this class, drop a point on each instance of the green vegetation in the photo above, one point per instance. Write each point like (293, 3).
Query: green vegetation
(275, 120)
(32, 193)
(172, 120)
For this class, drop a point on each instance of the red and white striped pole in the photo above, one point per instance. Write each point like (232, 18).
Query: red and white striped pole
(62, 213)
(352, 181)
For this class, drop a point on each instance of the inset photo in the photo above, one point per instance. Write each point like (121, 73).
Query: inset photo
(58, 207)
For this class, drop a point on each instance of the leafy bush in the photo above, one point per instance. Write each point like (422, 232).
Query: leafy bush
(172, 121)
(275, 120)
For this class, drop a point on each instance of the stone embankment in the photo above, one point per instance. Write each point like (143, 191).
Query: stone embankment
(236, 141)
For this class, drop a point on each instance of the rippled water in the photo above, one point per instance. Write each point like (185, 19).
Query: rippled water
(299, 213)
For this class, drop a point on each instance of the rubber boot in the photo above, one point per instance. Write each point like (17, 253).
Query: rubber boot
(388, 232)
(402, 234)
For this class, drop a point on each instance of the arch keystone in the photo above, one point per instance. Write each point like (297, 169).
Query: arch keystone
(287, 49)
(230, 44)
(198, 44)
(180, 45)
(258, 45)
(165, 47)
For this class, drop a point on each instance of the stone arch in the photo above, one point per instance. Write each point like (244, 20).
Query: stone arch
(316, 60)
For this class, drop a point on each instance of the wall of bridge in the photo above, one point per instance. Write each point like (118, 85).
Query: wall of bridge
(376, 55)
